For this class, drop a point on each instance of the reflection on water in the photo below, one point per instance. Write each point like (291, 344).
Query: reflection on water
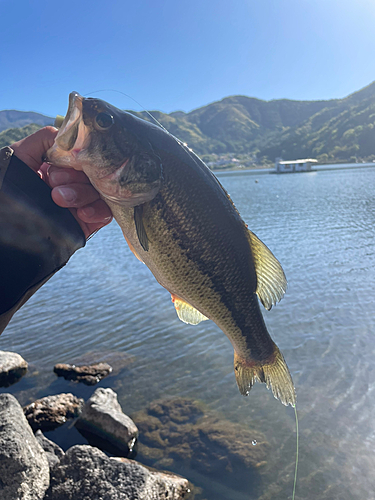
(321, 227)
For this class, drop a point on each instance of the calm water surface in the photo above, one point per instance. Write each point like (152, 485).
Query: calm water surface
(321, 227)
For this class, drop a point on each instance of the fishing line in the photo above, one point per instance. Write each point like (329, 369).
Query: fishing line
(297, 440)
(129, 97)
(162, 126)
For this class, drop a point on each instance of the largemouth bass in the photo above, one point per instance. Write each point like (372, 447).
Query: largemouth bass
(179, 221)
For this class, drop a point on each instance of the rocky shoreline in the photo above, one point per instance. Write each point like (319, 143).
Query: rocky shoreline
(174, 434)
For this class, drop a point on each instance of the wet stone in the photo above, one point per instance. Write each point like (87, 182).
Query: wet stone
(52, 411)
(87, 473)
(102, 416)
(12, 368)
(178, 434)
(117, 360)
(88, 374)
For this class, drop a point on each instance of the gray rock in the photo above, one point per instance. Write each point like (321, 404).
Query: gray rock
(53, 451)
(52, 411)
(86, 473)
(88, 374)
(24, 471)
(102, 416)
(12, 368)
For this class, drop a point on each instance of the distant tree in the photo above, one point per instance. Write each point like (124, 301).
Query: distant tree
(323, 158)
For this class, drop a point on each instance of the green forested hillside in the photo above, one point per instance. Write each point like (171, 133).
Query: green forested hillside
(11, 135)
(237, 124)
(336, 130)
(11, 118)
(342, 132)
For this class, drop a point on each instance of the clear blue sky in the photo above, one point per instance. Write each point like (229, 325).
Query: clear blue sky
(182, 54)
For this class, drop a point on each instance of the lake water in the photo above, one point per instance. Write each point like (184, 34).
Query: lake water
(320, 226)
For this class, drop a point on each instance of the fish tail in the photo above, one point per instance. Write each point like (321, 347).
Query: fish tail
(273, 372)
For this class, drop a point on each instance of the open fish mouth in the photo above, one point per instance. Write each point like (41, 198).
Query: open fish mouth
(73, 135)
(68, 133)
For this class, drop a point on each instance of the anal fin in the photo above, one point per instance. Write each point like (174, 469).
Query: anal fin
(186, 312)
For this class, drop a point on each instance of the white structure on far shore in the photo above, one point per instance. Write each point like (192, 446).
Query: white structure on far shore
(282, 167)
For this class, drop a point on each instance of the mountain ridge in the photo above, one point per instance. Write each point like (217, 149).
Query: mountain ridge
(330, 130)
(11, 118)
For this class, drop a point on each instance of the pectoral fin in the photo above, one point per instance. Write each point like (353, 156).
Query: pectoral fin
(271, 280)
(186, 312)
(140, 228)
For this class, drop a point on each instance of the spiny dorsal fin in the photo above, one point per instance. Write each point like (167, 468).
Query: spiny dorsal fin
(140, 228)
(271, 281)
(186, 312)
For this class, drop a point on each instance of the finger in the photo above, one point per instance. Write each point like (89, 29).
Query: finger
(42, 172)
(74, 195)
(96, 212)
(103, 218)
(58, 176)
(32, 149)
(92, 227)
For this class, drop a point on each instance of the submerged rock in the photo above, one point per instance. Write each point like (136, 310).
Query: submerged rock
(87, 473)
(52, 411)
(116, 359)
(12, 368)
(102, 416)
(24, 471)
(88, 374)
(177, 432)
(53, 451)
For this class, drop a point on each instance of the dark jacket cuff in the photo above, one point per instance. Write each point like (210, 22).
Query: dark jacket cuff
(37, 237)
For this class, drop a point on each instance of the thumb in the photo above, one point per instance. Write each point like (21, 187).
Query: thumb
(32, 149)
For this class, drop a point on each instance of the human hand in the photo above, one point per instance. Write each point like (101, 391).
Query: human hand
(70, 188)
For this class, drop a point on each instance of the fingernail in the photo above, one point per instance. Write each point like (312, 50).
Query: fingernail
(68, 194)
(88, 211)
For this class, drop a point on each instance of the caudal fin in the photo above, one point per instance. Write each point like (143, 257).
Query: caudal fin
(273, 372)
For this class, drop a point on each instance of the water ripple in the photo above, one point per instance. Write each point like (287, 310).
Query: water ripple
(321, 227)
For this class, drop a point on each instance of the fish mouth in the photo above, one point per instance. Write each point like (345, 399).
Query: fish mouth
(73, 136)
(68, 133)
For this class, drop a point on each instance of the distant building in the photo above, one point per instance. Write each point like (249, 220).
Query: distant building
(283, 167)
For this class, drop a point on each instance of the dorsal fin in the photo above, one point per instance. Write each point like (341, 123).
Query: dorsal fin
(186, 312)
(271, 280)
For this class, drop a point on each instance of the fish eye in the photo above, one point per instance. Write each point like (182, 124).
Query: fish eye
(104, 120)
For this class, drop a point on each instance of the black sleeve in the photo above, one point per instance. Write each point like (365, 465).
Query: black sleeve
(37, 237)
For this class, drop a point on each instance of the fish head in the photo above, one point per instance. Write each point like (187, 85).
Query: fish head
(99, 139)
